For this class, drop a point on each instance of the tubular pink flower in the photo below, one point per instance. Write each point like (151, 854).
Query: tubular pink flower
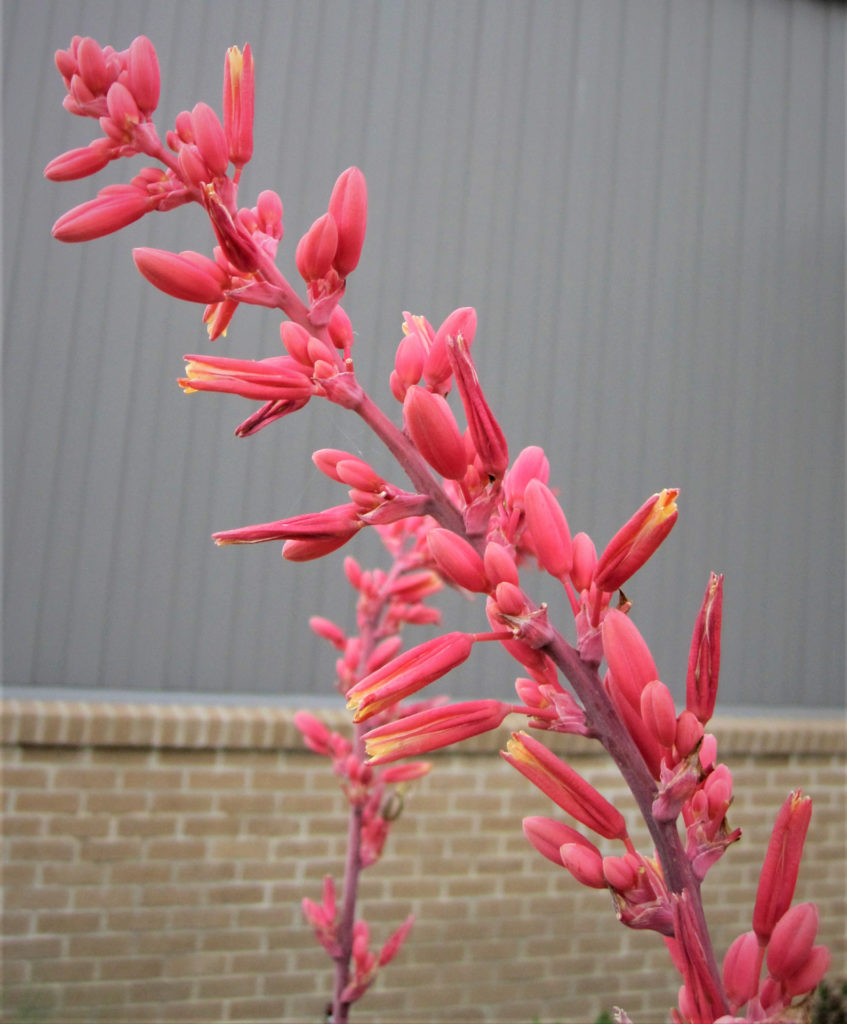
(186, 275)
(238, 100)
(433, 729)
(115, 207)
(210, 138)
(791, 940)
(409, 361)
(338, 523)
(458, 560)
(548, 528)
(434, 432)
(347, 469)
(636, 541)
(742, 967)
(488, 439)
(316, 249)
(782, 864)
(705, 657)
(564, 786)
(628, 656)
(142, 67)
(348, 205)
(263, 379)
(80, 163)
(410, 672)
(644, 739)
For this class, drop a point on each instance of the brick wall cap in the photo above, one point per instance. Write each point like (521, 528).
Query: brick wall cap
(75, 723)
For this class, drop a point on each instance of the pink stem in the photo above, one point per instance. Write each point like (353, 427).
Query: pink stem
(352, 870)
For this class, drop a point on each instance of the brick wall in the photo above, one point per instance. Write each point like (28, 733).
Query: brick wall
(155, 859)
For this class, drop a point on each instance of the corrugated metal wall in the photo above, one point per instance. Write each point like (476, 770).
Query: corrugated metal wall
(643, 199)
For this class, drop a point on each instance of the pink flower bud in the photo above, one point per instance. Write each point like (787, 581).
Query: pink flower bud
(80, 163)
(658, 712)
(458, 560)
(628, 656)
(792, 939)
(586, 865)
(123, 110)
(315, 734)
(500, 565)
(329, 631)
(530, 464)
(705, 657)
(621, 873)
(584, 561)
(308, 549)
(348, 205)
(548, 528)
(410, 672)
(143, 74)
(405, 772)
(434, 432)
(548, 836)
(316, 249)
(238, 101)
(636, 541)
(384, 652)
(340, 330)
(186, 275)
(409, 360)
(115, 207)
(92, 66)
(782, 864)
(210, 138)
(564, 786)
(689, 732)
(742, 966)
(811, 974)
(392, 946)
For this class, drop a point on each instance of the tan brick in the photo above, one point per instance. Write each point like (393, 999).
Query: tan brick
(217, 779)
(176, 849)
(14, 777)
(228, 987)
(95, 994)
(129, 967)
(115, 803)
(245, 892)
(35, 897)
(31, 948)
(86, 777)
(182, 803)
(206, 871)
(240, 849)
(22, 825)
(78, 825)
(87, 897)
(136, 920)
(118, 943)
(63, 970)
(104, 850)
(45, 803)
(140, 873)
(147, 825)
(151, 779)
(211, 825)
(73, 874)
(37, 849)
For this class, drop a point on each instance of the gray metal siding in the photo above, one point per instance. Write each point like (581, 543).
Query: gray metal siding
(645, 202)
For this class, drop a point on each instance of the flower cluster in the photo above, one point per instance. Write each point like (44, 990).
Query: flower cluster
(474, 518)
